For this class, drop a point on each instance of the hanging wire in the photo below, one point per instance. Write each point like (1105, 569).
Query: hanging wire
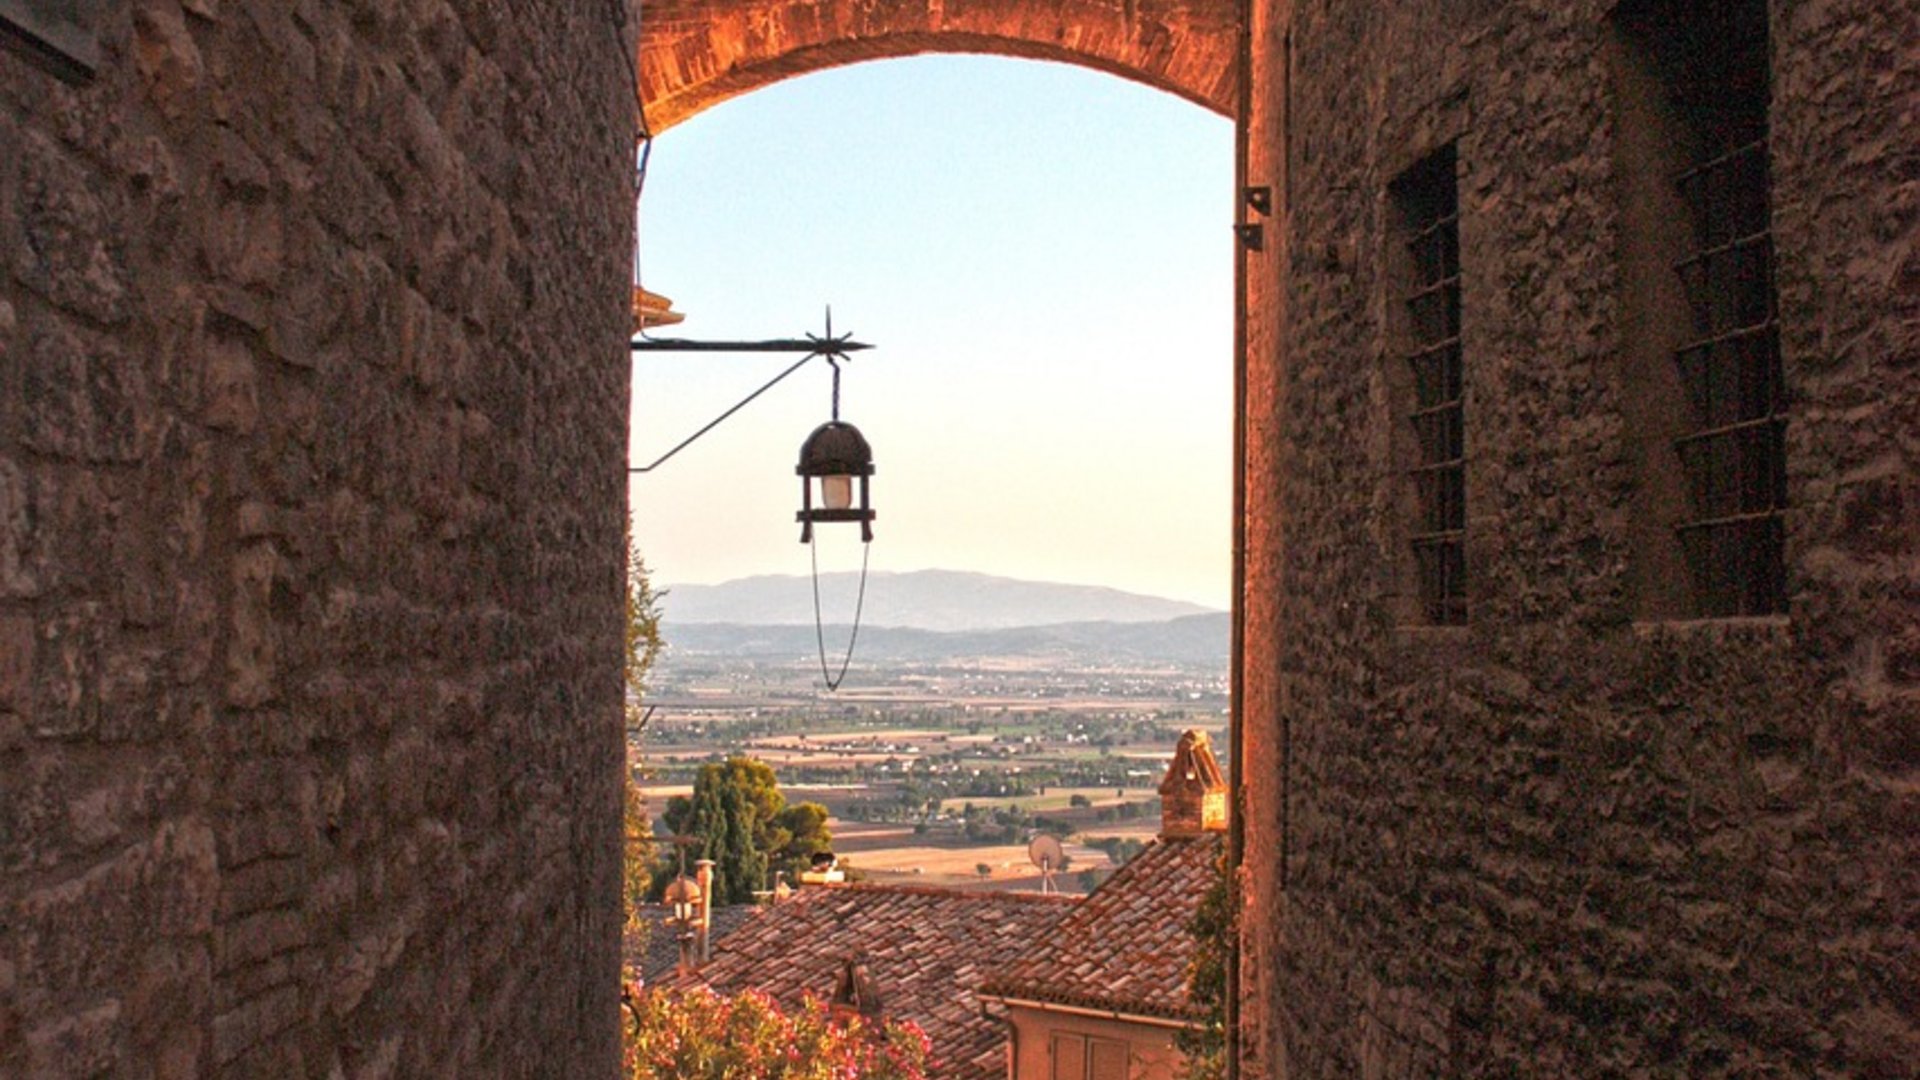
(819, 628)
(639, 188)
(813, 552)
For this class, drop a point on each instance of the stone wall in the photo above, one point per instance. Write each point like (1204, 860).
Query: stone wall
(1569, 839)
(312, 434)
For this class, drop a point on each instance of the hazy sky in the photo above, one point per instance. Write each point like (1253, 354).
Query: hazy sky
(1042, 256)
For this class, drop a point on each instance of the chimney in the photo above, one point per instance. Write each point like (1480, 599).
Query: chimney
(854, 995)
(1193, 797)
(703, 874)
(823, 869)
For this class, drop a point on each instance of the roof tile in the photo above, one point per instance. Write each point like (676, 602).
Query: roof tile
(1127, 946)
(926, 950)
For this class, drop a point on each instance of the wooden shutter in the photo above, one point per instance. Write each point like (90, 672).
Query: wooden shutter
(1106, 1060)
(1069, 1057)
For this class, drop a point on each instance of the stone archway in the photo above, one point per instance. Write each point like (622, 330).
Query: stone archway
(697, 53)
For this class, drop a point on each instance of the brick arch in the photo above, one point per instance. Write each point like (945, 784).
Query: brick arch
(697, 53)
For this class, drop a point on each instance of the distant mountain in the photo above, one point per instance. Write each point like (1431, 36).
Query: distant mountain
(1190, 639)
(942, 600)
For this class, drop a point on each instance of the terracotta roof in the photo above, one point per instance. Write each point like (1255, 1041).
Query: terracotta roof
(662, 949)
(1127, 946)
(925, 951)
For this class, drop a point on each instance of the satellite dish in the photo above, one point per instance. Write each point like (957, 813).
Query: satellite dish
(1045, 852)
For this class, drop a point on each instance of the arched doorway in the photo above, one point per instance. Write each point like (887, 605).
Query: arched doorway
(684, 66)
(696, 53)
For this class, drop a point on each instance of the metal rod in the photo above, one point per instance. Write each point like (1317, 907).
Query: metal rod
(716, 421)
(810, 346)
(830, 346)
(827, 345)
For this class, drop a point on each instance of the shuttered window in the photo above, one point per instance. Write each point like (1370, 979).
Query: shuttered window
(1077, 1057)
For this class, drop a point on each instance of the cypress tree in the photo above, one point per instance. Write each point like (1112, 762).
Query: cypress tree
(742, 866)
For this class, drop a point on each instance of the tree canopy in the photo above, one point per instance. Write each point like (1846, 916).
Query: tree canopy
(643, 644)
(739, 818)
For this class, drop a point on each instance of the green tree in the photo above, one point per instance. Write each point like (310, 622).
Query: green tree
(805, 825)
(1213, 927)
(643, 644)
(643, 638)
(741, 866)
(743, 823)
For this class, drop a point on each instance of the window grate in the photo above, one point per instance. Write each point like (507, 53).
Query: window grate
(1733, 452)
(1429, 200)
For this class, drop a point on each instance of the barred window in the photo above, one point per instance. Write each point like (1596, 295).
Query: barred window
(1735, 459)
(1428, 203)
(1709, 61)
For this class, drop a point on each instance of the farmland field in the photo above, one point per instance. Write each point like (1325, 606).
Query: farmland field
(1060, 798)
(979, 756)
(893, 854)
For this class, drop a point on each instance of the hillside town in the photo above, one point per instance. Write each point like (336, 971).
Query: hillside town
(1000, 983)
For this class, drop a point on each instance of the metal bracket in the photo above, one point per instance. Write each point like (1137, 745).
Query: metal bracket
(829, 346)
(62, 37)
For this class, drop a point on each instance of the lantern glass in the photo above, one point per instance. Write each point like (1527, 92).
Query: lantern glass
(836, 492)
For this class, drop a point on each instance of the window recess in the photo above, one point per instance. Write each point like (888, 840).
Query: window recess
(1734, 455)
(1428, 205)
(1702, 381)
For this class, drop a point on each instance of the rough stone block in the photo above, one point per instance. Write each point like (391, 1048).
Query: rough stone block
(67, 253)
(18, 539)
(85, 935)
(67, 680)
(253, 645)
(83, 399)
(16, 664)
(245, 1026)
(79, 1044)
(232, 388)
(167, 58)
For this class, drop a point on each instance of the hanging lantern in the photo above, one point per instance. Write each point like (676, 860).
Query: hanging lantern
(835, 460)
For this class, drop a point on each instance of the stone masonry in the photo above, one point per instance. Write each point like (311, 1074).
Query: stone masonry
(1573, 838)
(312, 417)
(312, 433)
(695, 54)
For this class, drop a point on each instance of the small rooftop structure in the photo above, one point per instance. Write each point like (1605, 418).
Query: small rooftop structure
(856, 995)
(1193, 795)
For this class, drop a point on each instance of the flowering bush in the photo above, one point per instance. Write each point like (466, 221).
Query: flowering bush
(698, 1035)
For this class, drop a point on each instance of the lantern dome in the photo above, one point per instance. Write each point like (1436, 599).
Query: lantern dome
(836, 448)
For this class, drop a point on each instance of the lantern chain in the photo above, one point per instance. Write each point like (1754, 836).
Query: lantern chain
(819, 626)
